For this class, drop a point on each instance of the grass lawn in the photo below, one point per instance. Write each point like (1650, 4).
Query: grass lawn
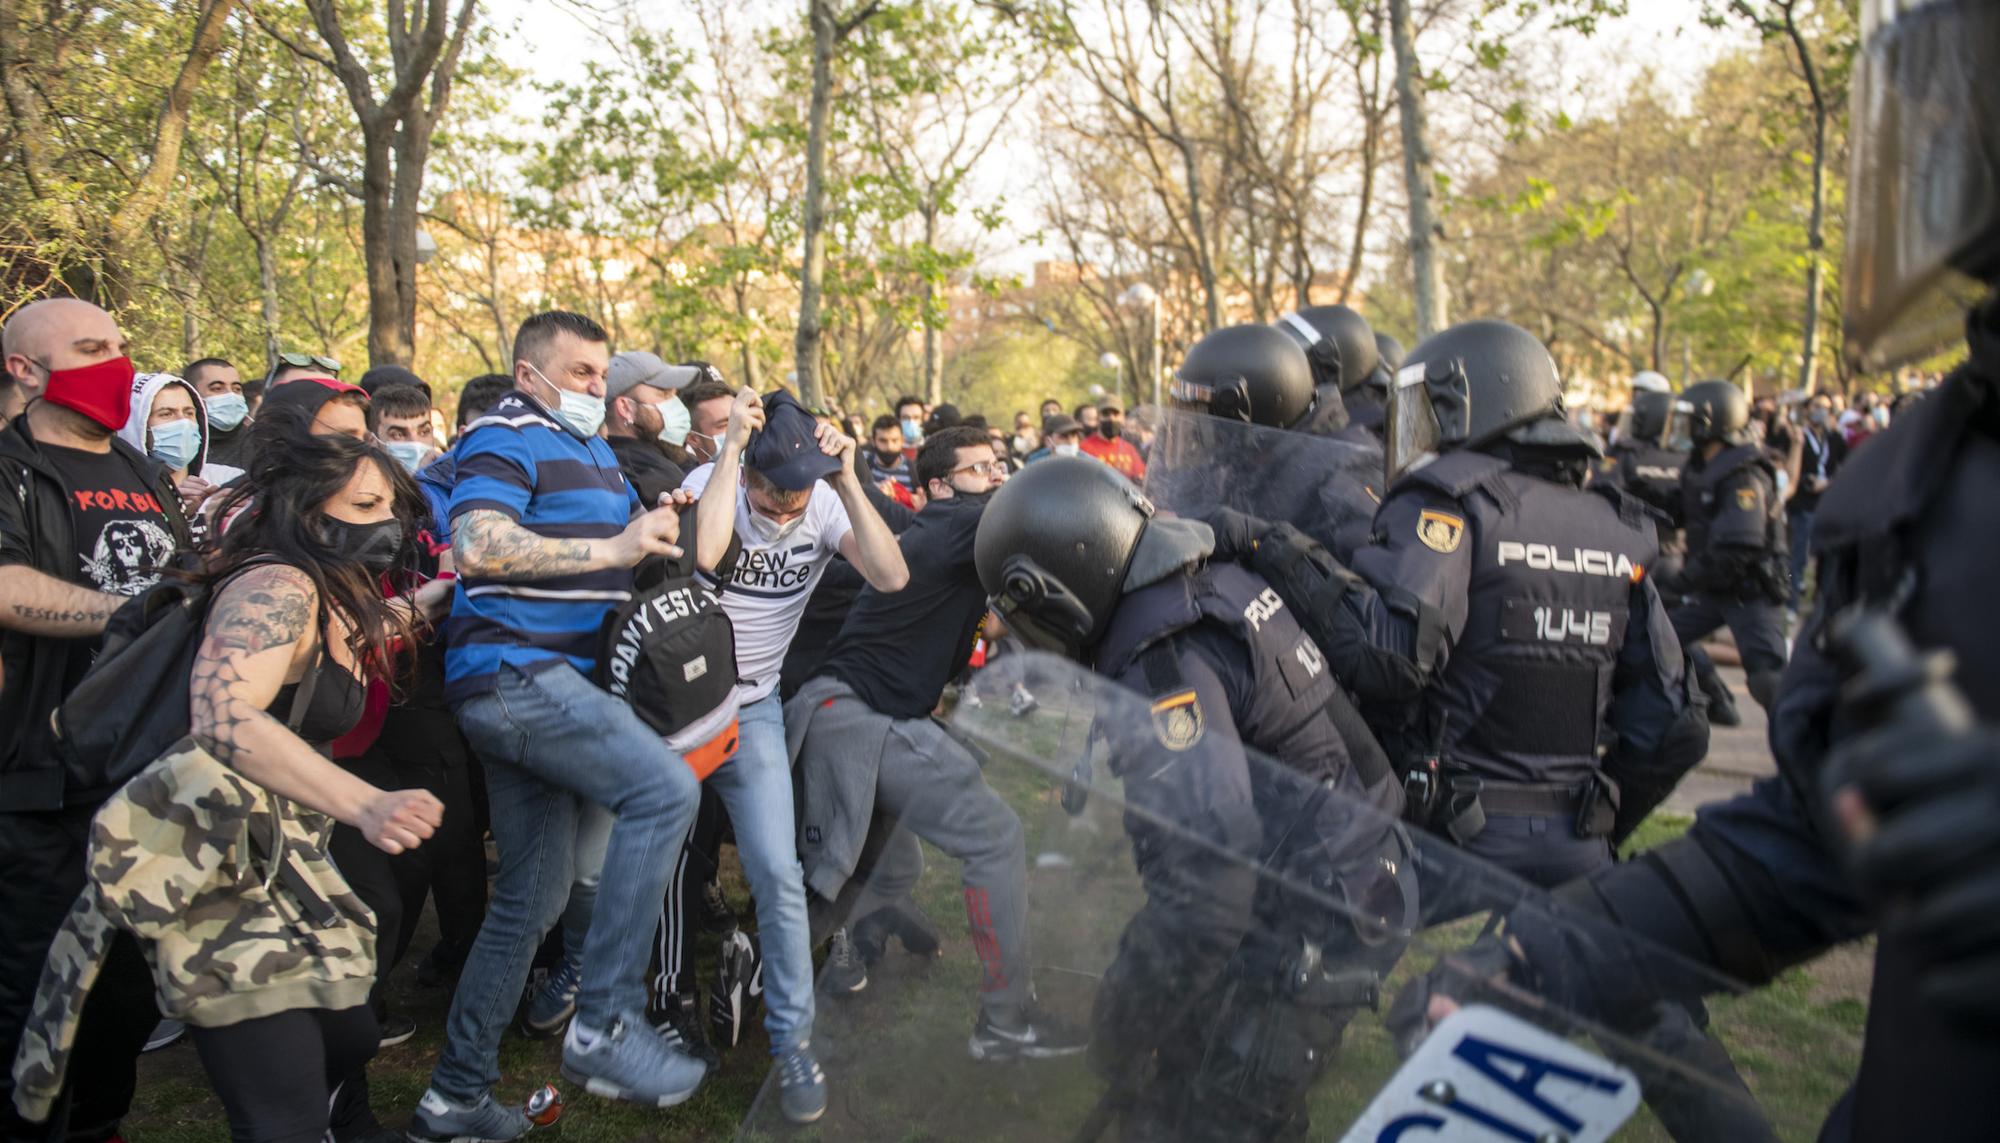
(896, 1057)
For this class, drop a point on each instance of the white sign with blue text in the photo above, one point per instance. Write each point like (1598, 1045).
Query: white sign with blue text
(1483, 1076)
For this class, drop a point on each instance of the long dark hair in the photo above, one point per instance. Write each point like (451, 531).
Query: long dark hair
(280, 520)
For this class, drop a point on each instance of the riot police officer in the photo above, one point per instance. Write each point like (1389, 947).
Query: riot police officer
(1258, 376)
(1233, 988)
(1737, 568)
(1505, 614)
(1345, 361)
(1646, 461)
(1874, 751)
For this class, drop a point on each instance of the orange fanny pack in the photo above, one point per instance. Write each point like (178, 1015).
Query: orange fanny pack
(708, 757)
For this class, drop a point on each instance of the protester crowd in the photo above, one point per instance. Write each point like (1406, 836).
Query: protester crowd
(400, 649)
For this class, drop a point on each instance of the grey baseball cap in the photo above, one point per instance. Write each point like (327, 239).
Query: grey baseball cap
(637, 367)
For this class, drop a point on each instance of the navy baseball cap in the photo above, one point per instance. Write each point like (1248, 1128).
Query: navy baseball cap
(786, 450)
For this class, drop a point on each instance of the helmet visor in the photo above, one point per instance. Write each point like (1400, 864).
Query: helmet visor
(1410, 427)
(1924, 209)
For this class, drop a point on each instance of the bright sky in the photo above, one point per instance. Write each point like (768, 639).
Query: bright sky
(549, 39)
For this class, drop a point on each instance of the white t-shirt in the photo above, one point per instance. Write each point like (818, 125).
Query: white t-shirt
(774, 580)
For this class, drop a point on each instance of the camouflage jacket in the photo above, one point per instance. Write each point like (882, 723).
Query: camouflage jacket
(231, 894)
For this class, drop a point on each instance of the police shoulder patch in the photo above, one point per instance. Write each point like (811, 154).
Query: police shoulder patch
(1177, 719)
(1441, 532)
(1746, 499)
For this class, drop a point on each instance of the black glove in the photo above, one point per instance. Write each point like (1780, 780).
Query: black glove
(1936, 797)
(1236, 534)
(1464, 976)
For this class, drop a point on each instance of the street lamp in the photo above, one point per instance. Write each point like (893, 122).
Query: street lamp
(1141, 294)
(1116, 364)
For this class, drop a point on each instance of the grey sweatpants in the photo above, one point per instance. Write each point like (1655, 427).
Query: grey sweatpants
(927, 786)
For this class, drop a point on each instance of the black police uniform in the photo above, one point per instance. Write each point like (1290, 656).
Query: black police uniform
(1737, 564)
(1652, 473)
(1225, 665)
(1756, 886)
(1508, 619)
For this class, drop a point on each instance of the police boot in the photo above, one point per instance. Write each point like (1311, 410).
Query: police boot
(1721, 703)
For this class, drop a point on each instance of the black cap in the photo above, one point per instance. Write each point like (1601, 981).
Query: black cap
(786, 450)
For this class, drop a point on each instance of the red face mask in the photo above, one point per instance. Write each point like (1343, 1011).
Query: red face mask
(102, 392)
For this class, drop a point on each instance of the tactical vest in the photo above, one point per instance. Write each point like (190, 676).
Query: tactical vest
(1651, 473)
(1527, 684)
(1701, 486)
(1295, 712)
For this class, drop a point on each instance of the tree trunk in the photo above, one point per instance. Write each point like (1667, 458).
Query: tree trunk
(812, 271)
(1815, 248)
(1211, 303)
(385, 339)
(170, 131)
(1420, 176)
(267, 281)
(933, 342)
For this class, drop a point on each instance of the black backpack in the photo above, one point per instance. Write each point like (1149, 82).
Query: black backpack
(670, 651)
(132, 705)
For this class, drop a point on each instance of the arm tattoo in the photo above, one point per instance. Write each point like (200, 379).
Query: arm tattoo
(489, 545)
(55, 615)
(264, 609)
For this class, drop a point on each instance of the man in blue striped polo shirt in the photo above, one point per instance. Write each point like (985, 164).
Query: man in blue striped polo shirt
(545, 532)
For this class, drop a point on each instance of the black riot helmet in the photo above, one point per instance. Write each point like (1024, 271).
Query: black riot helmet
(1248, 373)
(1923, 218)
(1471, 385)
(1652, 408)
(1061, 542)
(1337, 341)
(1716, 411)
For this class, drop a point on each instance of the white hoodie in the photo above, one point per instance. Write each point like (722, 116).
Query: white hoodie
(145, 388)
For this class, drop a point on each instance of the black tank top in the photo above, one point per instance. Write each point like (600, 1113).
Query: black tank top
(337, 702)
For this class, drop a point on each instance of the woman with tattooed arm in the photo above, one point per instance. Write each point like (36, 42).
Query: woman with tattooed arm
(299, 608)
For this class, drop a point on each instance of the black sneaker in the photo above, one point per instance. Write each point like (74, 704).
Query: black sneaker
(716, 914)
(1033, 1034)
(844, 973)
(902, 920)
(397, 1028)
(739, 981)
(678, 1018)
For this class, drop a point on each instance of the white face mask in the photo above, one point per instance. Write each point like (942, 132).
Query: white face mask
(580, 411)
(409, 454)
(176, 443)
(1066, 449)
(675, 421)
(767, 531)
(227, 410)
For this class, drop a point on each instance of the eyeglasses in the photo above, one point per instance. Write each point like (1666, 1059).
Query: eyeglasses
(987, 468)
(306, 360)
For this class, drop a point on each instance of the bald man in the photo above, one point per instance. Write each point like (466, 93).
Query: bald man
(86, 521)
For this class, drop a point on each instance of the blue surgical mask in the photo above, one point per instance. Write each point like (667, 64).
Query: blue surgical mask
(675, 421)
(227, 410)
(409, 454)
(176, 443)
(580, 411)
(913, 431)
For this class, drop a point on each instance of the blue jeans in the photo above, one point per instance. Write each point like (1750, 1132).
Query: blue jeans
(756, 788)
(552, 743)
(1801, 522)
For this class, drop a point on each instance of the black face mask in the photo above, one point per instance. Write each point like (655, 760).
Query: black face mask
(376, 546)
(1109, 430)
(888, 459)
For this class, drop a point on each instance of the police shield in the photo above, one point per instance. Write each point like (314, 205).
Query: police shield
(1327, 487)
(1286, 962)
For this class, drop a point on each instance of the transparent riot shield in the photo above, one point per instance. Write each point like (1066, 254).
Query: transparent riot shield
(1302, 967)
(1326, 487)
